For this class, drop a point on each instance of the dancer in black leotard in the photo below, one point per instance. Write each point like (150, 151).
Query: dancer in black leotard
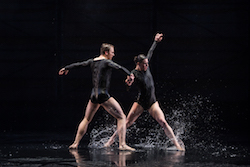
(101, 72)
(146, 99)
(144, 81)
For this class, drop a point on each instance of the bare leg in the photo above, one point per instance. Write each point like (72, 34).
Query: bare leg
(135, 111)
(113, 107)
(158, 115)
(83, 126)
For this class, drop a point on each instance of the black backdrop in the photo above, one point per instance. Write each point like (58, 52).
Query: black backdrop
(204, 52)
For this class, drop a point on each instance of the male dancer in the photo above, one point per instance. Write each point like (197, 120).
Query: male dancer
(101, 73)
(146, 99)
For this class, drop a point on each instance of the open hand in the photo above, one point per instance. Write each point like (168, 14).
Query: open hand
(130, 79)
(63, 71)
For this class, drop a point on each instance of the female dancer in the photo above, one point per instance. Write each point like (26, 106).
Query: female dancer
(101, 73)
(146, 99)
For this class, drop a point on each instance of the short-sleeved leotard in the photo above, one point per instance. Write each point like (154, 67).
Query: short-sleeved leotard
(101, 75)
(145, 83)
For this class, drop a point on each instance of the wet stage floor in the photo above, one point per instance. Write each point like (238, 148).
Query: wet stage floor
(29, 149)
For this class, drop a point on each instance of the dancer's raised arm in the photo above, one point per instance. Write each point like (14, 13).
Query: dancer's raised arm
(158, 38)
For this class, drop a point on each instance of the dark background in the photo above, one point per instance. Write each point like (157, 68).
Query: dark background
(204, 52)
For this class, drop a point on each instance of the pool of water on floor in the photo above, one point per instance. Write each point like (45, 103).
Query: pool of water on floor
(40, 150)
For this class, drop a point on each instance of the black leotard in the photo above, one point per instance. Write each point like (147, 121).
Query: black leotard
(101, 74)
(145, 83)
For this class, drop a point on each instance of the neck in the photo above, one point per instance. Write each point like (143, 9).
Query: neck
(103, 56)
(138, 68)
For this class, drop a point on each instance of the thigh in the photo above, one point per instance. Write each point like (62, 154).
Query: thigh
(156, 112)
(91, 110)
(113, 108)
(135, 111)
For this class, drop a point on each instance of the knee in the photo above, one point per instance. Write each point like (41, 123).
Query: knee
(121, 116)
(86, 120)
(128, 123)
(163, 123)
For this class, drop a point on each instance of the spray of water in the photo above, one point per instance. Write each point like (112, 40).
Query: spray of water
(99, 136)
(189, 116)
(193, 118)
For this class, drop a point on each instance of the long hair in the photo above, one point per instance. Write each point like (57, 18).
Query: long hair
(105, 47)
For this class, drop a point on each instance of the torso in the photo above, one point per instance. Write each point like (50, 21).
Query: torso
(145, 83)
(101, 75)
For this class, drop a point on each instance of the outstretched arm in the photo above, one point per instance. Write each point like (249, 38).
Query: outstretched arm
(130, 76)
(118, 67)
(65, 70)
(78, 64)
(158, 38)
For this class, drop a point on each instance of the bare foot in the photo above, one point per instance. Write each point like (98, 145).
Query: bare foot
(126, 148)
(180, 149)
(174, 148)
(73, 146)
(109, 143)
(181, 144)
(106, 145)
(178, 145)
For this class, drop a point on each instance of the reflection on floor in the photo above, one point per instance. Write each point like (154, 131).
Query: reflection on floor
(52, 150)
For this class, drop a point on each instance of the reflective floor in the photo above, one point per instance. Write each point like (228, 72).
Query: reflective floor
(29, 149)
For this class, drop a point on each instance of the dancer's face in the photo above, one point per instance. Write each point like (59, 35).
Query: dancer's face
(144, 65)
(111, 53)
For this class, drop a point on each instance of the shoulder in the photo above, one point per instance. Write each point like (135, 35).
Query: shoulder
(90, 60)
(135, 72)
(111, 62)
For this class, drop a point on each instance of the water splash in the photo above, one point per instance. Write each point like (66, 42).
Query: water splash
(193, 118)
(99, 136)
(189, 116)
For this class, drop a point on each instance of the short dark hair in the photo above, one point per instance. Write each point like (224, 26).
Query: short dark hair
(105, 47)
(139, 58)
